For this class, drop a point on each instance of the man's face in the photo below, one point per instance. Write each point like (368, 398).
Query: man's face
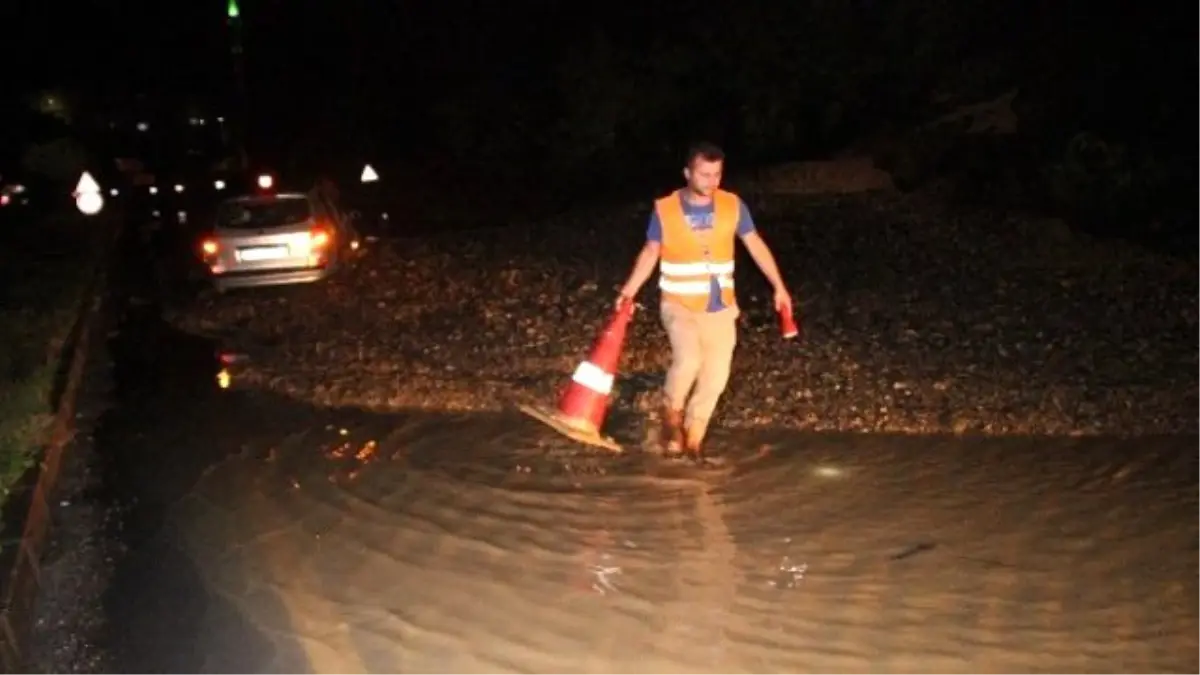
(703, 176)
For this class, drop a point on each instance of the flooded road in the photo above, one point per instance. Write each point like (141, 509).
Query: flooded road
(414, 544)
(261, 534)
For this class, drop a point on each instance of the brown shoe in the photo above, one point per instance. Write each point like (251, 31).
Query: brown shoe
(672, 430)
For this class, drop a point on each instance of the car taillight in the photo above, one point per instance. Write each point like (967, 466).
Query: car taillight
(319, 238)
(209, 247)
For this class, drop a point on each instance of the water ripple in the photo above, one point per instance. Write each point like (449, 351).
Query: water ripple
(428, 547)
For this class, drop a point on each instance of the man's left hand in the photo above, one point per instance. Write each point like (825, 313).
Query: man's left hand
(783, 300)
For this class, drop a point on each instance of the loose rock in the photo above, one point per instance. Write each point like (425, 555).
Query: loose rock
(915, 319)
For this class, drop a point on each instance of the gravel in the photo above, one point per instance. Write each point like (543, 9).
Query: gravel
(77, 564)
(917, 318)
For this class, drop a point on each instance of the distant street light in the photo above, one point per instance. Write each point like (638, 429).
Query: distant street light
(368, 175)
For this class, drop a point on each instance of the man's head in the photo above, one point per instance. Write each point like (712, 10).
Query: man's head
(705, 162)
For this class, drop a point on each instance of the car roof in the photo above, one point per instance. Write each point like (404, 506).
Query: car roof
(255, 199)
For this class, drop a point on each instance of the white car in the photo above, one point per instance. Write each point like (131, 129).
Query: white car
(275, 239)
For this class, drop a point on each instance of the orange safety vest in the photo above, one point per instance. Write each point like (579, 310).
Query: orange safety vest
(691, 259)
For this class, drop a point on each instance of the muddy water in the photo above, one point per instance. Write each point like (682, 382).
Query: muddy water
(420, 543)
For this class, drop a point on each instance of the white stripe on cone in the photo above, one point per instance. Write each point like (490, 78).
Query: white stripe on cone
(593, 377)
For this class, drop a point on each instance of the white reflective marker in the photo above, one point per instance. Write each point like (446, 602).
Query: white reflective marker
(89, 203)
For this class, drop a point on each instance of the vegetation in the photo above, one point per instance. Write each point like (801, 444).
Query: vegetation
(1101, 98)
(45, 267)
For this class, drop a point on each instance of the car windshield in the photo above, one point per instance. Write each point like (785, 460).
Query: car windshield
(262, 214)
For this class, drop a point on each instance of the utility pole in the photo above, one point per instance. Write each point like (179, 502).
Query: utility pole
(240, 121)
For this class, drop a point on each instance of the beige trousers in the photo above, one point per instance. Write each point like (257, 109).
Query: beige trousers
(702, 345)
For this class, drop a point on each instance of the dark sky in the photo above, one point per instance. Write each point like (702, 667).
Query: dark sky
(350, 63)
(378, 46)
(361, 69)
(116, 45)
(157, 43)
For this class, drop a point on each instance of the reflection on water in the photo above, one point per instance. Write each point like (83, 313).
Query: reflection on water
(418, 546)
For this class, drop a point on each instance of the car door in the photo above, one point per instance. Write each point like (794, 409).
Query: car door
(342, 221)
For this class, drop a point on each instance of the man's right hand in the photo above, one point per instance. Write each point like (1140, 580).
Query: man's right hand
(627, 296)
(643, 267)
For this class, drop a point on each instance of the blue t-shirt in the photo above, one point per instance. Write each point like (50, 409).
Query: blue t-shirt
(699, 218)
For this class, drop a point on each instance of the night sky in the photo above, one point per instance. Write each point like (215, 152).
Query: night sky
(377, 76)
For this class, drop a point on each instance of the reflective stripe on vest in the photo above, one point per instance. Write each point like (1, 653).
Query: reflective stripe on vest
(691, 260)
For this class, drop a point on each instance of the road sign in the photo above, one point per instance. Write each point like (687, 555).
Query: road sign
(87, 195)
(87, 184)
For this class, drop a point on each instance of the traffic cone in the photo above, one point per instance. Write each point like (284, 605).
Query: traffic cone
(584, 403)
(787, 324)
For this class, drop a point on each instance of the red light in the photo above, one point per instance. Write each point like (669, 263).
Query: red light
(319, 238)
(232, 358)
(4, 200)
(209, 248)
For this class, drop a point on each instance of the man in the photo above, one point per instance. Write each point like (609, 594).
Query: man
(693, 232)
(326, 191)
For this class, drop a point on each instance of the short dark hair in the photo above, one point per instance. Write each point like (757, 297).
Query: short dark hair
(709, 152)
